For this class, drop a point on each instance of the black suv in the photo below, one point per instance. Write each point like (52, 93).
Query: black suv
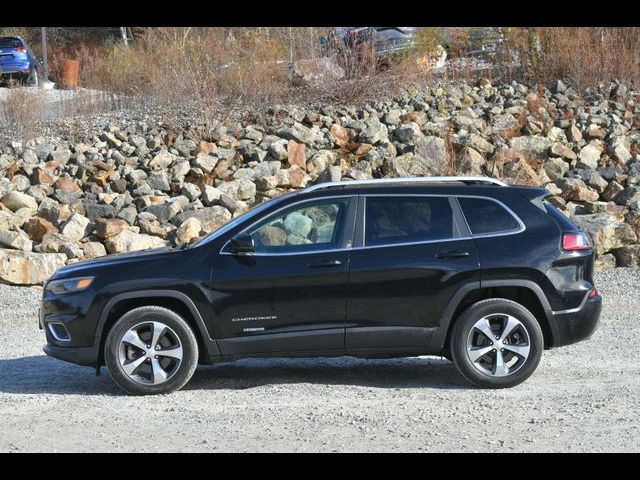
(485, 274)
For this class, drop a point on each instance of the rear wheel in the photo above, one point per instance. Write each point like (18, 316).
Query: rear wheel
(151, 350)
(496, 343)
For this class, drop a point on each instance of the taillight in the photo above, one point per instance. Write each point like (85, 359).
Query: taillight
(575, 241)
(21, 49)
(592, 293)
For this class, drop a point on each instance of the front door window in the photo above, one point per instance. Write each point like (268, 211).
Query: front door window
(309, 227)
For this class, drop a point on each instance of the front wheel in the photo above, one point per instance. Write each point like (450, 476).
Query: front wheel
(151, 350)
(496, 343)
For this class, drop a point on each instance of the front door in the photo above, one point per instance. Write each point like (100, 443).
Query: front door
(290, 294)
(414, 252)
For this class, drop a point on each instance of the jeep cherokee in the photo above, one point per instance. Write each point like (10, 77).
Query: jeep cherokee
(470, 268)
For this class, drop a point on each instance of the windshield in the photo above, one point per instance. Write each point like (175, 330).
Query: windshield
(238, 220)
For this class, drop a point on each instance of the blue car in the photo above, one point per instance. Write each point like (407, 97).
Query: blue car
(17, 62)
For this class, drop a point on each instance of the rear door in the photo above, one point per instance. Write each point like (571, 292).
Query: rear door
(412, 253)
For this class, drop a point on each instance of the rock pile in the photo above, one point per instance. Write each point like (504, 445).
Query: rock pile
(142, 184)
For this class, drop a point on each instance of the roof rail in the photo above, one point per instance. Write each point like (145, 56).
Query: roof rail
(378, 181)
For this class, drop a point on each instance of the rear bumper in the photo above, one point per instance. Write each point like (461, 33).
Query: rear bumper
(571, 326)
(14, 73)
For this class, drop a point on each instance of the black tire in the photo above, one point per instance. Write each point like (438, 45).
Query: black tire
(461, 333)
(181, 374)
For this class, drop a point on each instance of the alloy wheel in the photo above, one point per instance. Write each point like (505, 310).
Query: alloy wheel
(498, 345)
(150, 353)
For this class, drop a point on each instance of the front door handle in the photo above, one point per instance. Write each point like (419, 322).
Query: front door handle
(452, 255)
(325, 263)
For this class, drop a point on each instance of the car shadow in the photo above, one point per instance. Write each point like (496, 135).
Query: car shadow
(414, 372)
(43, 374)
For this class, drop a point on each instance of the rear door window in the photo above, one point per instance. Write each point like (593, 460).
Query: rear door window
(397, 220)
(486, 217)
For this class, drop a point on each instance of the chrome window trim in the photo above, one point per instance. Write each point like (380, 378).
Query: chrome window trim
(522, 226)
(266, 254)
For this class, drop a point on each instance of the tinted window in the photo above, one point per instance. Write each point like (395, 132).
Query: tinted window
(307, 227)
(407, 219)
(486, 216)
(9, 42)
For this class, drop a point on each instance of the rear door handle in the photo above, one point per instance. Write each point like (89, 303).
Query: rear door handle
(452, 255)
(325, 263)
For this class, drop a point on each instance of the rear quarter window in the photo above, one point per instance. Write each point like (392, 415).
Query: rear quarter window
(485, 216)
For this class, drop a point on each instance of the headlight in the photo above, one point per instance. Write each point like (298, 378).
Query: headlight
(69, 285)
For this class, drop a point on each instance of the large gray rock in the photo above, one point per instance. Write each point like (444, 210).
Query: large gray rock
(630, 197)
(210, 218)
(375, 133)
(472, 162)
(299, 133)
(77, 227)
(169, 209)
(619, 149)
(555, 168)
(9, 221)
(430, 157)
(159, 181)
(16, 239)
(16, 200)
(590, 155)
(129, 241)
(533, 145)
(576, 189)
(28, 268)
(188, 231)
(408, 133)
(606, 231)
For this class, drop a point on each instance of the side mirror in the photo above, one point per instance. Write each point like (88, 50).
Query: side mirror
(242, 244)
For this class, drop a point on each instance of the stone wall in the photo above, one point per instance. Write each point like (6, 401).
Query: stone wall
(137, 183)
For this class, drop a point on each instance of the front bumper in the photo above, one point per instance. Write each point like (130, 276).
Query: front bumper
(87, 356)
(571, 326)
(71, 312)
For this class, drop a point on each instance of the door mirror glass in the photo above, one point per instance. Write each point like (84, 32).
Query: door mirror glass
(241, 244)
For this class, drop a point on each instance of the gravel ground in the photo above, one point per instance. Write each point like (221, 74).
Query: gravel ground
(584, 397)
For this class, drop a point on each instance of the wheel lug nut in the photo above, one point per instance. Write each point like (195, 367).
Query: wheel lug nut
(156, 357)
(148, 346)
